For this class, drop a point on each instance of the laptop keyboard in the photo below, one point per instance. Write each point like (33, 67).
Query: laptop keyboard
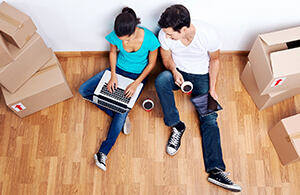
(112, 107)
(117, 95)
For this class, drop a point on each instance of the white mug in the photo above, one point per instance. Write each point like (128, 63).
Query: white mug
(187, 87)
(148, 105)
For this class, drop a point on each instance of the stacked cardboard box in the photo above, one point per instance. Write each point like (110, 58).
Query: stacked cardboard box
(263, 101)
(31, 77)
(273, 73)
(285, 136)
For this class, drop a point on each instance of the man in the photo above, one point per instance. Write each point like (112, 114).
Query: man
(190, 52)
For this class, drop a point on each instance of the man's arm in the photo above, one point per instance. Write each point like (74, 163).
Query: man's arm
(171, 66)
(214, 67)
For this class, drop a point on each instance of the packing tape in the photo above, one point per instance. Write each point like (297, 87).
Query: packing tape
(27, 38)
(10, 20)
(45, 69)
(291, 137)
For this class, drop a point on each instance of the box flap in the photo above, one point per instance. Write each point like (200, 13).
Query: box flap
(11, 18)
(283, 36)
(16, 52)
(285, 62)
(291, 124)
(296, 144)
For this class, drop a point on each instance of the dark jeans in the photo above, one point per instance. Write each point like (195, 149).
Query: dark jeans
(87, 90)
(211, 144)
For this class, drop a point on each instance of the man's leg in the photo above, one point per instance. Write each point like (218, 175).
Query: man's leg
(211, 144)
(165, 85)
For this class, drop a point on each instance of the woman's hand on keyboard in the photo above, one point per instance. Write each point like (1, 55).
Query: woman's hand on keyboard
(112, 84)
(130, 90)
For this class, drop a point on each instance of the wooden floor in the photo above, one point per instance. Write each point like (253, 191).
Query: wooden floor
(51, 151)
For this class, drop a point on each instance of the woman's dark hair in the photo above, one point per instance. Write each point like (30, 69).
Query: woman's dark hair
(126, 22)
(175, 16)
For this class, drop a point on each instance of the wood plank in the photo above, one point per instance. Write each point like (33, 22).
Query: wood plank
(51, 151)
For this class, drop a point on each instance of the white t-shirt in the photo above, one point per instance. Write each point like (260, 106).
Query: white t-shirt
(193, 58)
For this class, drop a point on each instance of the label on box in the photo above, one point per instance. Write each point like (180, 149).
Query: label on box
(18, 107)
(278, 82)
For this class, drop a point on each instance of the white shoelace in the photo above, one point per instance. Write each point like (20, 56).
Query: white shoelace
(175, 137)
(224, 175)
(102, 158)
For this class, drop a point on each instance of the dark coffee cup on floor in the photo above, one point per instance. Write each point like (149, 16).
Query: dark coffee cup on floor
(148, 105)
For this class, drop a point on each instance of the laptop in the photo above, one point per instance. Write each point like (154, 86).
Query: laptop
(115, 101)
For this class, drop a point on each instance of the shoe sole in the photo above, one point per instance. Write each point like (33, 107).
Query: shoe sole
(223, 185)
(99, 164)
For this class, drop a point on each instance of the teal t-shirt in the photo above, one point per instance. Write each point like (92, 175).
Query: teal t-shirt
(134, 62)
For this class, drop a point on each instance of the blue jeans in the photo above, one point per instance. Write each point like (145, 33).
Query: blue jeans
(87, 90)
(211, 144)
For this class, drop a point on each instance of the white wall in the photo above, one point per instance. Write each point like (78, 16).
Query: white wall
(80, 25)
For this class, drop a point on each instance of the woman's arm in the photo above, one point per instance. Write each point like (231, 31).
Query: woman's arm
(152, 61)
(113, 83)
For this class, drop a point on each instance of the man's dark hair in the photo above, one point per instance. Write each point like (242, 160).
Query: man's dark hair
(175, 16)
(126, 22)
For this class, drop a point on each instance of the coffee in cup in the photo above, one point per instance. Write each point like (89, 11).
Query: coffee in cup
(187, 87)
(148, 105)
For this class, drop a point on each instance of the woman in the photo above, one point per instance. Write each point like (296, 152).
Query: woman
(136, 58)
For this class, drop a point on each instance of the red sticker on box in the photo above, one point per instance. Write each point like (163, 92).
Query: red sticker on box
(278, 82)
(18, 107)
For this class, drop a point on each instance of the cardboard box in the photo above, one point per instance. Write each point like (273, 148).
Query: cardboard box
(26, 62)
(15, 26)
(285, 136)
(263, 101)
(275, 61)
(5, 56)
(45, 88)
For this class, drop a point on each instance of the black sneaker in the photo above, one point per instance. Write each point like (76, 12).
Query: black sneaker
(100, 159)
(220, 178)
(174, 141)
